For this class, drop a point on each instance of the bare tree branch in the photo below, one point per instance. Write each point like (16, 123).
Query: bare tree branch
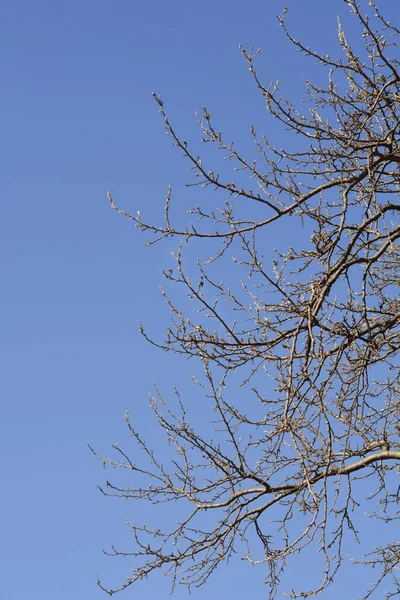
(310, 438)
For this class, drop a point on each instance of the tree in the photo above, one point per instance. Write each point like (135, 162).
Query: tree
(310, 439)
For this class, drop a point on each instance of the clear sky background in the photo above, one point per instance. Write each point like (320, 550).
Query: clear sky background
(77, 117)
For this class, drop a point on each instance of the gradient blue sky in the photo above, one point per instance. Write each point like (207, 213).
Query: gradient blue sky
(77, 118)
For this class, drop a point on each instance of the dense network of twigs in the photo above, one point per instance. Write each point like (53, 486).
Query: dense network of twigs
(315, 332)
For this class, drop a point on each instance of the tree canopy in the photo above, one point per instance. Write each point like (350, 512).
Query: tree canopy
(300, 349)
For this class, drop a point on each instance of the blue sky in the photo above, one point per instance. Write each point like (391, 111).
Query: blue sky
(78, 118)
